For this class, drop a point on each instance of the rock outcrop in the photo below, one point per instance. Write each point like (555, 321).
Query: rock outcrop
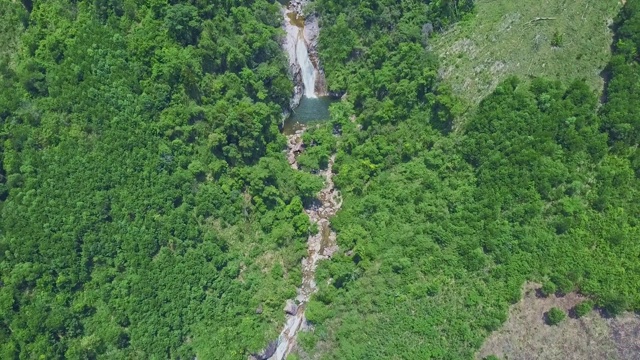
(267, 353)
(289, 45)
(290, 308)
(298, 6)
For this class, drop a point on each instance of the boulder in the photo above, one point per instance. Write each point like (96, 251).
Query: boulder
(268, 352)
(291, 308)
(298, 5)
(297, 148)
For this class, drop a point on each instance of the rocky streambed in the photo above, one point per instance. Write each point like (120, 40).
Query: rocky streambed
(300, 45)
(320, 246)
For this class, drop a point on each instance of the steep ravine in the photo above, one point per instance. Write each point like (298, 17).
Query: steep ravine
(299, 45)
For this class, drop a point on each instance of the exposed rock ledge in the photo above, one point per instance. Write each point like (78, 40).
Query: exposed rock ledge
(289, 45)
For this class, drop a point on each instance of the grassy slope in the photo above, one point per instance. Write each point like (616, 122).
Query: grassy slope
(501, 39)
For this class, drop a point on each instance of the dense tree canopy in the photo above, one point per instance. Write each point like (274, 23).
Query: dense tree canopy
(439, 230)
(144, 190)
(621, 113)
(147, 209)
(375, 52)
(439, 240)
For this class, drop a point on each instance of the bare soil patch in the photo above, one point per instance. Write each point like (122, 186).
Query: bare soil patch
(525, 335)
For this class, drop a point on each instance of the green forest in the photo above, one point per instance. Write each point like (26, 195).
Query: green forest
(147, 210)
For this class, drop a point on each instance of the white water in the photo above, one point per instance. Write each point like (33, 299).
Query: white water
(307, 69)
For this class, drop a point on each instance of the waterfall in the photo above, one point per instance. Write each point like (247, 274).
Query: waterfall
(300, 45)
(307, 70)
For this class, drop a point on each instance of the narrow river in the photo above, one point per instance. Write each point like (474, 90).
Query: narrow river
(322, 245)
(319, 247)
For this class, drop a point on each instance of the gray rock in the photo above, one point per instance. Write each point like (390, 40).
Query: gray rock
(291, 308)
(297, 148)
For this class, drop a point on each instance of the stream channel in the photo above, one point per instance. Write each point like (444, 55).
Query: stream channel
(309, 104)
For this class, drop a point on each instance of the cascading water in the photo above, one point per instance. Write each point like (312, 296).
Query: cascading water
(307, 79)
(307, 70)
(309, 102)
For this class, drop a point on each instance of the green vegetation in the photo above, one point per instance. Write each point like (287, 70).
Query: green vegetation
(621, 114)
(375, 52)
(442, 239)
(148, 209)
(548, 288)
(558, 39)
(555, 316)
(439, 230)
(583, 308)
(320, 145)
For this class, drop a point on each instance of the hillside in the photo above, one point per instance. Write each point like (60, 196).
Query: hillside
(440, 230)
(149, 208)
(559, 39)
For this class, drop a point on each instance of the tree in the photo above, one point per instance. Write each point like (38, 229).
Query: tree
(583, 308)
(183, 23)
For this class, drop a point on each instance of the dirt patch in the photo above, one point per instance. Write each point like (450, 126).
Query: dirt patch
(625, 331)
(526, 335)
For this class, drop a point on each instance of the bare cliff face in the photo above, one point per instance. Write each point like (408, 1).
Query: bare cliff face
(292, 32)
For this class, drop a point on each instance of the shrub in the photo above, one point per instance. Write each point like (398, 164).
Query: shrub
(615, 305)
(563, 285)
(307, 340)
(548, 288)
(555, 316)
(317, 312)
(583, 308)
(557, 40)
